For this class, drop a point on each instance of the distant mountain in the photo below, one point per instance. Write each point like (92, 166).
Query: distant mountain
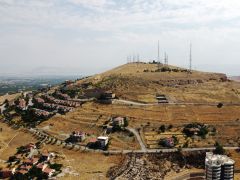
(235, 78)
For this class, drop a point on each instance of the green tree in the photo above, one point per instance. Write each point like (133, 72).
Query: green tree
(125, 122)
(219, 148)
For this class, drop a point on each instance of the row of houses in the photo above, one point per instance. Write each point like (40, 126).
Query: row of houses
(42, 113)
(57, 108)
(60, 106)
(70, 103)
(62, 96)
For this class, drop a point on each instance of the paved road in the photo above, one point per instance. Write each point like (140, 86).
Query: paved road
(167, 150)
(143, 147)
(120, 101)
(146, 150)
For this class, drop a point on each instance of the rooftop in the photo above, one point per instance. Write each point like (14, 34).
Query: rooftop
(218, 160)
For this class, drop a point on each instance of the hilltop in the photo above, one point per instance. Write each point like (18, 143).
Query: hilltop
(141, 82)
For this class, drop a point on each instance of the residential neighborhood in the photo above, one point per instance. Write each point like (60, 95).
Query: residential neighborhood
(30, 162)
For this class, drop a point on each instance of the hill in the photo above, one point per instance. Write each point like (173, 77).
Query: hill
(141, 82)
(209, 101)
(192, 97)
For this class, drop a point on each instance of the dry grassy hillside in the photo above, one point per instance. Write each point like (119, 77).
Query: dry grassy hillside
(8, 97)
(140, 82)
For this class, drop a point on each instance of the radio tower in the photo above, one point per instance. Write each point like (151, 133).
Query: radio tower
(165, 58)
(133, 58)
(158, 58)
(190, 58)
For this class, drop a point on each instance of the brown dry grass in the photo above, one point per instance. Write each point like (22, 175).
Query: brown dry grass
(11, 139)
(8, 97)
(130, 82)
(87, 165)
(88, 120)
(85, 118)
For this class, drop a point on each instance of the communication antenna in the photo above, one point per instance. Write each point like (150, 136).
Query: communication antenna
(134, 58)
(165, 58)
(190, 58)
(158, 58)
(130, 59)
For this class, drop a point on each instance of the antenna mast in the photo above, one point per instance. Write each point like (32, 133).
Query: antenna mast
(190, 58)
(158, 58)
(165, 58)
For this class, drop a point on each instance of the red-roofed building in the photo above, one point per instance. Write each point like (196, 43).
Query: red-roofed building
(93, 140)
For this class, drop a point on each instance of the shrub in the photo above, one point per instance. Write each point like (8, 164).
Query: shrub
(125, 122)
(162, 128)
(56, 166)
(220, 105)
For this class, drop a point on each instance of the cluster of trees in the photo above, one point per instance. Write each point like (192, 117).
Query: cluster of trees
(163, 128)
(196, 129)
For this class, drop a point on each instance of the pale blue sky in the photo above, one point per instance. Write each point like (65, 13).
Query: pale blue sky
(87, 36)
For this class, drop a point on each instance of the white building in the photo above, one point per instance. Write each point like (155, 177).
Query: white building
(103, 141)
(219, 167)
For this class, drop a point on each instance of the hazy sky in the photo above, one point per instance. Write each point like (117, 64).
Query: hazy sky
(87, 36)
